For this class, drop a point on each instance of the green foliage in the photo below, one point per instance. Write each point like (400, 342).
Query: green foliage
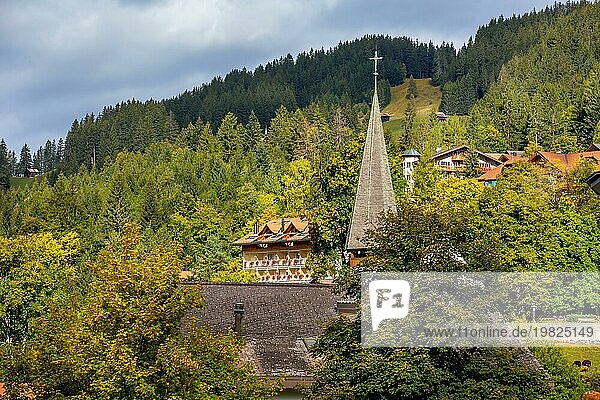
(130, 125)
(123, 339)
(234, 272)
(565, 376)
(565, 144)
(24, 160)
(471, 165)
(468, 74)
(526, 223)
(35, 270)
(412, 89)
(350, 371)
(205, 238)
(295, 198)
(5, 172)
(339, 75)
(549, 92)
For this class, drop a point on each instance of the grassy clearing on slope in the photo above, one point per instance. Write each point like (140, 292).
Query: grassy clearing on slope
(427, 100)
(16, 181)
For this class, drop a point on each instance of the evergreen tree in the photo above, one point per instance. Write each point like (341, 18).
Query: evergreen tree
(60, 150)
(229, 135)
(253, 132)
(408, 125)
(12, 160)
(24, 159)
(4, 166)
(411, 93)
(471, 165)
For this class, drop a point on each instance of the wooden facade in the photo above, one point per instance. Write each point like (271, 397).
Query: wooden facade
(277, 251)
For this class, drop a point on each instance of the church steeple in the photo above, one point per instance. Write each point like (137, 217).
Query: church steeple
(375, 193)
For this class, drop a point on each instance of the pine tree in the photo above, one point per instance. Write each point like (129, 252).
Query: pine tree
(253, 132)
(60, 150)
(229, 134)
(4, 166)
(407, 124)
(24, 159)
(12, 160)
(412, 89)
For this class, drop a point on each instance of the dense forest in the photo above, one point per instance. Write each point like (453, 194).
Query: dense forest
(529, 77)
(91, 250)
(337, 75)
(468, 73)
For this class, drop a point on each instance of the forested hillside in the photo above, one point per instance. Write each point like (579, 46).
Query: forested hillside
(550, 94)
(467, 74)
(337, 75)
(559, 43)
(91, 301)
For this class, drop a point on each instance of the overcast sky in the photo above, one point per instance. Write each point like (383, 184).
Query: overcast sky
(61, 59)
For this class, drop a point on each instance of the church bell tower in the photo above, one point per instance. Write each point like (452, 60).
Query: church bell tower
(375, 193)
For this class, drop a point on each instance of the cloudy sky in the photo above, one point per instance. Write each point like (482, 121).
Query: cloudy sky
(61, 59)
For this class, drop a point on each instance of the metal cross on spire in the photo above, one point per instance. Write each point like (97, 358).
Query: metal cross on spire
(375, 59)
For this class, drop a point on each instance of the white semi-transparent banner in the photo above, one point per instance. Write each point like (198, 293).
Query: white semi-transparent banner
(480, 309)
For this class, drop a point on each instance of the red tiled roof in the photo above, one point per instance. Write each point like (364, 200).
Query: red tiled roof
(493, 173)
(508, 157)
(564, 162)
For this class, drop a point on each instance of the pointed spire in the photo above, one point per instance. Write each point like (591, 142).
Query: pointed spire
(375, 193)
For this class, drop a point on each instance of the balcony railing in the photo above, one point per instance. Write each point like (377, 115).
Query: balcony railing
(272, 264)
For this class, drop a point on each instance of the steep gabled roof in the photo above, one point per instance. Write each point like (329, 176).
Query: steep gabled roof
(594, 147)
(375, 193)
(487, 157)
(277, 321)
(493, 173)
(444, 153)
(279, 231)
(564, 162)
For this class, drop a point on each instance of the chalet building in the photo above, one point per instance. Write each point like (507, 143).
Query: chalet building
(564, 162)
(557, 163)
(409, 160)
(31, 172)
(385, 117)
(442, 117)
(452, 161)
(279, 324)
(375, 193)
(594, 147)
(490, 178)
(278, 250)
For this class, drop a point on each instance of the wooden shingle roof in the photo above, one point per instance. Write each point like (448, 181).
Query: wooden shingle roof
(277, 320)
(375, 193)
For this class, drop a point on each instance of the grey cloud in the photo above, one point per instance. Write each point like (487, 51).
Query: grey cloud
(62, 59)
